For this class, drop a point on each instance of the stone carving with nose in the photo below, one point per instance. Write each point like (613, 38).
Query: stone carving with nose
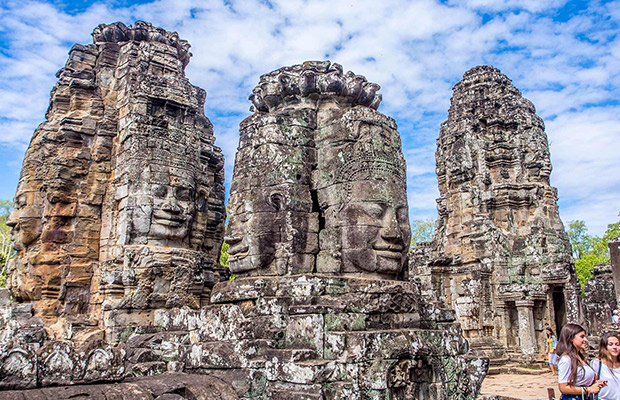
(172, 212)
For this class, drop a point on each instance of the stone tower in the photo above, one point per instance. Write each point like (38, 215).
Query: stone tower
(319, 182)
(119, 207)
(119, 219)
(500, 255)
(318, 239)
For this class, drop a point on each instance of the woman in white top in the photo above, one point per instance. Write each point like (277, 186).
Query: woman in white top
(607, 366)
(576, 378)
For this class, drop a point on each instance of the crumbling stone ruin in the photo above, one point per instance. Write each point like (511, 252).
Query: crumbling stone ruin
(600, 296)
(119, 220)
(119, 205)
(319, 185)
(614, 255)
(599, 299)
(500, 256)
(119, 209)
(330, 196)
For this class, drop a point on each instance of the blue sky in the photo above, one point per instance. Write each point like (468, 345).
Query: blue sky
(563, 55)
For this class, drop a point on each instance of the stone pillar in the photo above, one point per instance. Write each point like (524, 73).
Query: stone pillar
(527, 337)
(572, 299)
(614, 252)
(503, 322)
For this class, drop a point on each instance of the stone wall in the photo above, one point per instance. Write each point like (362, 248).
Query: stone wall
(599, 299)
(500, 256)
(119, 209)
(119, 220)
(614, 254)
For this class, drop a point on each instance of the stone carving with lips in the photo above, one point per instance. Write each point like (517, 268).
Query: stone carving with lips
(371, 211)
(252, 236)
(375, 231)
(317, 161)
(25, 218)
(172, 211)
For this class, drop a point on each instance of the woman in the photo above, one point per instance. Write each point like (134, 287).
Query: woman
(576, 378)
(552, 342)
(607, 366)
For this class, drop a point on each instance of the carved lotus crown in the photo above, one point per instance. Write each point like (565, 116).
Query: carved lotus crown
(313, 80)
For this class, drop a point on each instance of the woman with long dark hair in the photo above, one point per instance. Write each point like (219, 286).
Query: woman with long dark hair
(607, 366)
(576, 378)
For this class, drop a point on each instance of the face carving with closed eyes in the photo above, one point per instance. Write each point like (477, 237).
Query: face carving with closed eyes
(374, 229)
(25, 218)
(164, 211)
(254, 229)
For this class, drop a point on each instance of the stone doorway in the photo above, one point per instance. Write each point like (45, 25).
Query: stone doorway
(559, 308)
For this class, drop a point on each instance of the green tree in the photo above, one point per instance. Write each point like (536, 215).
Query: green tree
(5, 234)
(589, 251)
(422, 230)
(579, 238)
(225, 246)
(224, 255)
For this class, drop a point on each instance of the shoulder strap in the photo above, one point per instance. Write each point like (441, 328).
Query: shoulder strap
(600, 364)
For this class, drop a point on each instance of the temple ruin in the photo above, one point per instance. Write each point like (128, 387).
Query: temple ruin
(119, 219)
(500, 256)
(600, 292)
(119, 207)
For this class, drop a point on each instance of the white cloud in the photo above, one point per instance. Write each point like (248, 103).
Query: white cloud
(416, 50)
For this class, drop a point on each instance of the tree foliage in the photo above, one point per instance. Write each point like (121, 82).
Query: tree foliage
(579, 238)
(422, 230)
(5, 233)
(5, 209)
(589, 251)
(224, 255)
(225, 246)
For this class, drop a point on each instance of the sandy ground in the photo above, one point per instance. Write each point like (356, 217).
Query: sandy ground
(525, 387)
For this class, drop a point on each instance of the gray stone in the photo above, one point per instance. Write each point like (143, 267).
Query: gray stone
(118, 225)
(600, 300)
(316, 157)
(500, 256)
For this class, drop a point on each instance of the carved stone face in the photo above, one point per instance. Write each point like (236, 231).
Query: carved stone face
(173, 208)
(253, 231)
(375, 229)
(25, 219)
(164, 208)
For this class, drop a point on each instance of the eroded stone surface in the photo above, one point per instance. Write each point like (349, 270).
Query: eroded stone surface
(319, 182)
(318, 236)
(600, 300)
(500, 255)
(321, 306)
(173, 386)
(120, 200)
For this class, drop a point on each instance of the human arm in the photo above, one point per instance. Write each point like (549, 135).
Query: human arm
(566, 388)
(564, 371)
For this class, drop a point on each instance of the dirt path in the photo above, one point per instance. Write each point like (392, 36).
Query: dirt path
(524, 387)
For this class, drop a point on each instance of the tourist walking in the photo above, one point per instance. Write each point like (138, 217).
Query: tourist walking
(576, 378)
(607, 366)
(615, 318)
(552, 357)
